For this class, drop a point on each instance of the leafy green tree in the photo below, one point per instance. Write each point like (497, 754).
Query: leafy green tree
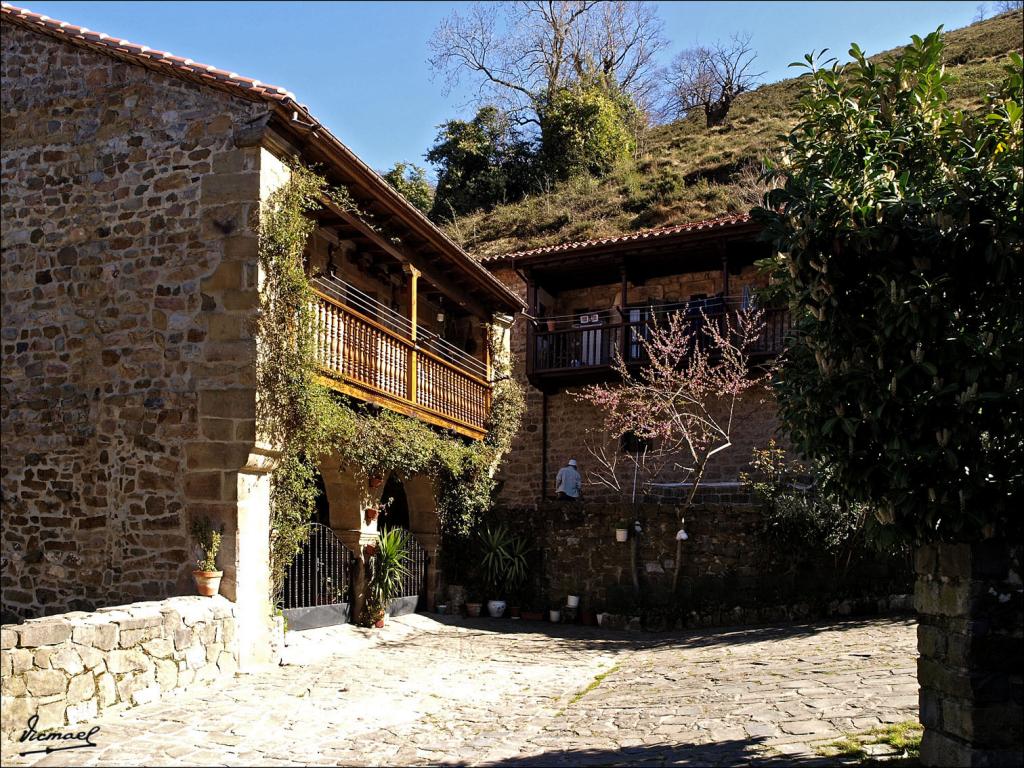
(587, 128)
(898, 233)
(411, 180)
(480, 163)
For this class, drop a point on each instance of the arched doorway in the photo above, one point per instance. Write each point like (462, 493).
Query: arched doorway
(395, 505)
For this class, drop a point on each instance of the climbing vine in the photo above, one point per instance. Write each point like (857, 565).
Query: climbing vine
(307, 421)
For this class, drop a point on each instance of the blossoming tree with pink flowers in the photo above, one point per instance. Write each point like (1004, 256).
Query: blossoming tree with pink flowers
(680, 404)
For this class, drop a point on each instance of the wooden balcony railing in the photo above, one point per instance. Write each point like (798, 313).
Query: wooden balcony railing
(587, 349)
(362, 357)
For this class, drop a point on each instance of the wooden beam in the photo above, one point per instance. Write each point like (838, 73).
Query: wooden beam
(724, 252)
(412, 368)
(625, 311)
(454, 292)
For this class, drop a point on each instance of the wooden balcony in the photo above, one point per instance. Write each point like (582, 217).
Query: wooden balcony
(424, 378)
(584, 353)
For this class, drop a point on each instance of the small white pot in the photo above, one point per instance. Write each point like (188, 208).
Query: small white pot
(621, 534)
(496, 608)
(573, 601)
(555, 616)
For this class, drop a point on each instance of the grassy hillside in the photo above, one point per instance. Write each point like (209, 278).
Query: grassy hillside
(687, 172)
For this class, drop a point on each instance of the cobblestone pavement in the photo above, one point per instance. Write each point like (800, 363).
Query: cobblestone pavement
(425, 691)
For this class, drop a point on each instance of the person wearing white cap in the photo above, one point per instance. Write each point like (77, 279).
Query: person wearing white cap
(568, 483)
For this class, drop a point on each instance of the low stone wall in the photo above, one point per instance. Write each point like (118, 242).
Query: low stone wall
(729, 575)
(68, 668)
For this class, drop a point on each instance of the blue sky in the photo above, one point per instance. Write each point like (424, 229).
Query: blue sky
(361, 67)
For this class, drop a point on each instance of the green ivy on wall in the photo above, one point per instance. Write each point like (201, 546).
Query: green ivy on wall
(307, 421)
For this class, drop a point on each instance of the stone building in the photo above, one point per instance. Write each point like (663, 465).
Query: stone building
(588, 301)
(132, 187)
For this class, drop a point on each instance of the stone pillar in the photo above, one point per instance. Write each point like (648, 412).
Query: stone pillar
(431, 542)
(252, 559)
(969, 599)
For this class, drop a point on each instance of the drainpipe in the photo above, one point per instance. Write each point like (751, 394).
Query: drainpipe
(544, 445)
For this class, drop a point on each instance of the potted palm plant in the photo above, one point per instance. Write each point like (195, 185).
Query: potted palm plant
(388, 568)
(516, 568)
(495, 544)
(206, 575)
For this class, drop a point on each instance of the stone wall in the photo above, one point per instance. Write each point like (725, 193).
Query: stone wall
(67, 669)
(522, 474)
(129, 283)
(726, 564)
(970, 604)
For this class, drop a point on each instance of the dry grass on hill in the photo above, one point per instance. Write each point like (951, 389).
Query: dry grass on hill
(688, 172)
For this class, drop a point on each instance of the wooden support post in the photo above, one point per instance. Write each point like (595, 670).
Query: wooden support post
(411, 368)
(531, 338)
(625, 327)
(725, 270)
(487, 350)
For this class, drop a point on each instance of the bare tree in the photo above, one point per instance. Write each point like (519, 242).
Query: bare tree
(1008, 6)
(710, 78)
(682, 401)
(521, 53)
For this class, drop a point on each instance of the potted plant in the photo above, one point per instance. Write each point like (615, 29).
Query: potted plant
(495, 544)
(370, 514)
(555, 613)
(473, 604)
(206, 575)
(387, 571)
(516, 570)
(622, 531)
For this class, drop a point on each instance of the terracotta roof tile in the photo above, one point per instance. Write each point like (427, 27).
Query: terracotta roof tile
(642, 235)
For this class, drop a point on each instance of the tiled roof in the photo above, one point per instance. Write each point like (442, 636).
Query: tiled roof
(643, 235)
(206, 74)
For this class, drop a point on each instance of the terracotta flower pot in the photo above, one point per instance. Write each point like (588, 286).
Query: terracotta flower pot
(514, 612)
(376, 481)
(473, 609)
(370, 515)
(588, 617)
(379, 623)
(207, 582)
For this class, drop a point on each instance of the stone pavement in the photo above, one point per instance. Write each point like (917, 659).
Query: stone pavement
(428, 690)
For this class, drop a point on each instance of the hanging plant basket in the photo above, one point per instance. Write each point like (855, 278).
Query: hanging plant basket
(375, 481)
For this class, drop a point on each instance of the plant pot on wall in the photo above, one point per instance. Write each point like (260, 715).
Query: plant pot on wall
(473, 609)
(621, 534)
(572, 601)
(207, 582)
(375, 481)
(370, 515)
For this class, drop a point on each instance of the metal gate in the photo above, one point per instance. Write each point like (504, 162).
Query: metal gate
(318, 584)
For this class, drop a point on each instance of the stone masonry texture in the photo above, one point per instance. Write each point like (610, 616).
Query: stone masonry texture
(729, 575)
(129, 281)
(573, 424)
(522, 693)
(971, 639)
(67, 669)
